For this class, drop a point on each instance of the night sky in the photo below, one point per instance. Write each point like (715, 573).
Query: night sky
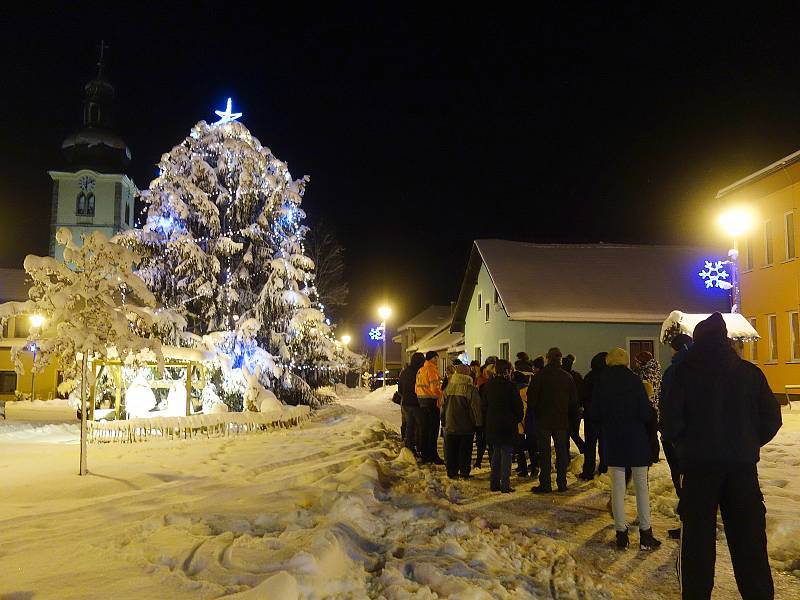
(422, 131)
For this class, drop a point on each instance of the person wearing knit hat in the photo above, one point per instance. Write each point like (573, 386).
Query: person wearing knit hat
(625, 415)
(718, 413)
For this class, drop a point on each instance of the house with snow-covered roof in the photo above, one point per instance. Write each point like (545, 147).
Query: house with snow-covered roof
(583, 298)
(420, 326)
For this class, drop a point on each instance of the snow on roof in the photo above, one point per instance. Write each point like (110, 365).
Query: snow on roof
(608, 283)
(761, 173)
(13, 285)
(440, 339)
(738, 327)
(433, 316)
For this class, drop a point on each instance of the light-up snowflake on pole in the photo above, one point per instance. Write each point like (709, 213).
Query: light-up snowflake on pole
(715, 274)
(377, 333)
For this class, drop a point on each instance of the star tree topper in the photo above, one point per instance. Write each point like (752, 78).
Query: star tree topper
(226, 116)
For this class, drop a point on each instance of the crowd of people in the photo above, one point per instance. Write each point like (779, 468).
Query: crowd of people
(712, 409)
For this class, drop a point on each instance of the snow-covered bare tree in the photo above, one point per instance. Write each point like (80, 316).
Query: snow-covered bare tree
(93, 305)
(328, 256)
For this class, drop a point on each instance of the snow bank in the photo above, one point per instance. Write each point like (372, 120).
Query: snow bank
(16, 432)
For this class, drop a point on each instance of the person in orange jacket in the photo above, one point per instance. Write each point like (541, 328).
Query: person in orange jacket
(429, 394)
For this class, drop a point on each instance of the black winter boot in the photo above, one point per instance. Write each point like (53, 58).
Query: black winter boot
(622, 539)
(647, 541)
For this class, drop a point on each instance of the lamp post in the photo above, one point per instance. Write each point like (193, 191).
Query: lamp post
(735, 222)
(345, 340)
(384, 312)
(36, 322)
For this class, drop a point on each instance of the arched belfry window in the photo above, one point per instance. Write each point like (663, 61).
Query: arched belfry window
(84, 203)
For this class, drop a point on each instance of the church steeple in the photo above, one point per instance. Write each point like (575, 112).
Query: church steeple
(92, 191)
(99, 97)
(97, 146)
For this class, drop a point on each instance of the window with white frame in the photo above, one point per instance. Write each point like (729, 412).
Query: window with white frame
(788, 226)
(505, 349)
(768, 243)
(477, 354)
(754, 343)
(772, 337)
(486, 313)
(794, 334)
(480, 300)
(748, 253)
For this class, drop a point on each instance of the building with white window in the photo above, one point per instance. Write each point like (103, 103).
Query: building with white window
(583, 298)
(770, 270)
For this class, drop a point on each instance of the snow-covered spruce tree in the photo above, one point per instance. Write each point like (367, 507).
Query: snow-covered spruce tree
(93, 304)
(223, 245)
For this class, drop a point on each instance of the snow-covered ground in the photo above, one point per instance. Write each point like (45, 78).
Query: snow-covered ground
(330, 509)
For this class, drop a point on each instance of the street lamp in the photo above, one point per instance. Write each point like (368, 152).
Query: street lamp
(36, 322)
(345, 339)
(736, 222)
(384, 312)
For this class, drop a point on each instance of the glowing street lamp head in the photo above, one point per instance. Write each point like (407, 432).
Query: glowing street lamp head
(736, 221)
(37, 320)
(384, 312)
(345, 339)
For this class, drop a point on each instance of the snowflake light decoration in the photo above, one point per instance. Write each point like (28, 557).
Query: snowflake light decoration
(376, 333)
(715, 274)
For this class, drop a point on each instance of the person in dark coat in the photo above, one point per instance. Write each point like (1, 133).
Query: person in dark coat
(461, 416)
(591, 430)
(409, 405)
(679, 344)
(575, 414)
(525, 443)
(718, 413)
(486, 374)
(551, 397)
(621, 406)
(503, 415)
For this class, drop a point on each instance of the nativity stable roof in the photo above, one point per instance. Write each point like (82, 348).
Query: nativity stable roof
(609, 283)
(433, 316)
(738, 327)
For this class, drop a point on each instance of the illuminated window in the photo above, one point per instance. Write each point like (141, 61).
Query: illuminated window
(772, 322)
(748, 253)
(788, 224)
(768, 243)
(754, 343)
(794, 334)
(505, 350)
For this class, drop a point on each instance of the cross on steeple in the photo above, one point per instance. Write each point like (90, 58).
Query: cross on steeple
(103, 48)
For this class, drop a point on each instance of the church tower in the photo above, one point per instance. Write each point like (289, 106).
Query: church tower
(93, 192)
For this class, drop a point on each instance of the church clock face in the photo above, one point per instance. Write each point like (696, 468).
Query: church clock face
(86, 184)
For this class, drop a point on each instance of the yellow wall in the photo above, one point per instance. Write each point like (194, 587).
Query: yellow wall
(46, 381)
(771, 289)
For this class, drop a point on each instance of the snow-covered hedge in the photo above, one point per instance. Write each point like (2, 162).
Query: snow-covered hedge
(218, 424)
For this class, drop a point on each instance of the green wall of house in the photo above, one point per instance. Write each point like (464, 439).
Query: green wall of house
(584, 340)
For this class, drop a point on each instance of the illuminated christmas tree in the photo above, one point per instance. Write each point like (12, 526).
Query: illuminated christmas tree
(223, 245)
